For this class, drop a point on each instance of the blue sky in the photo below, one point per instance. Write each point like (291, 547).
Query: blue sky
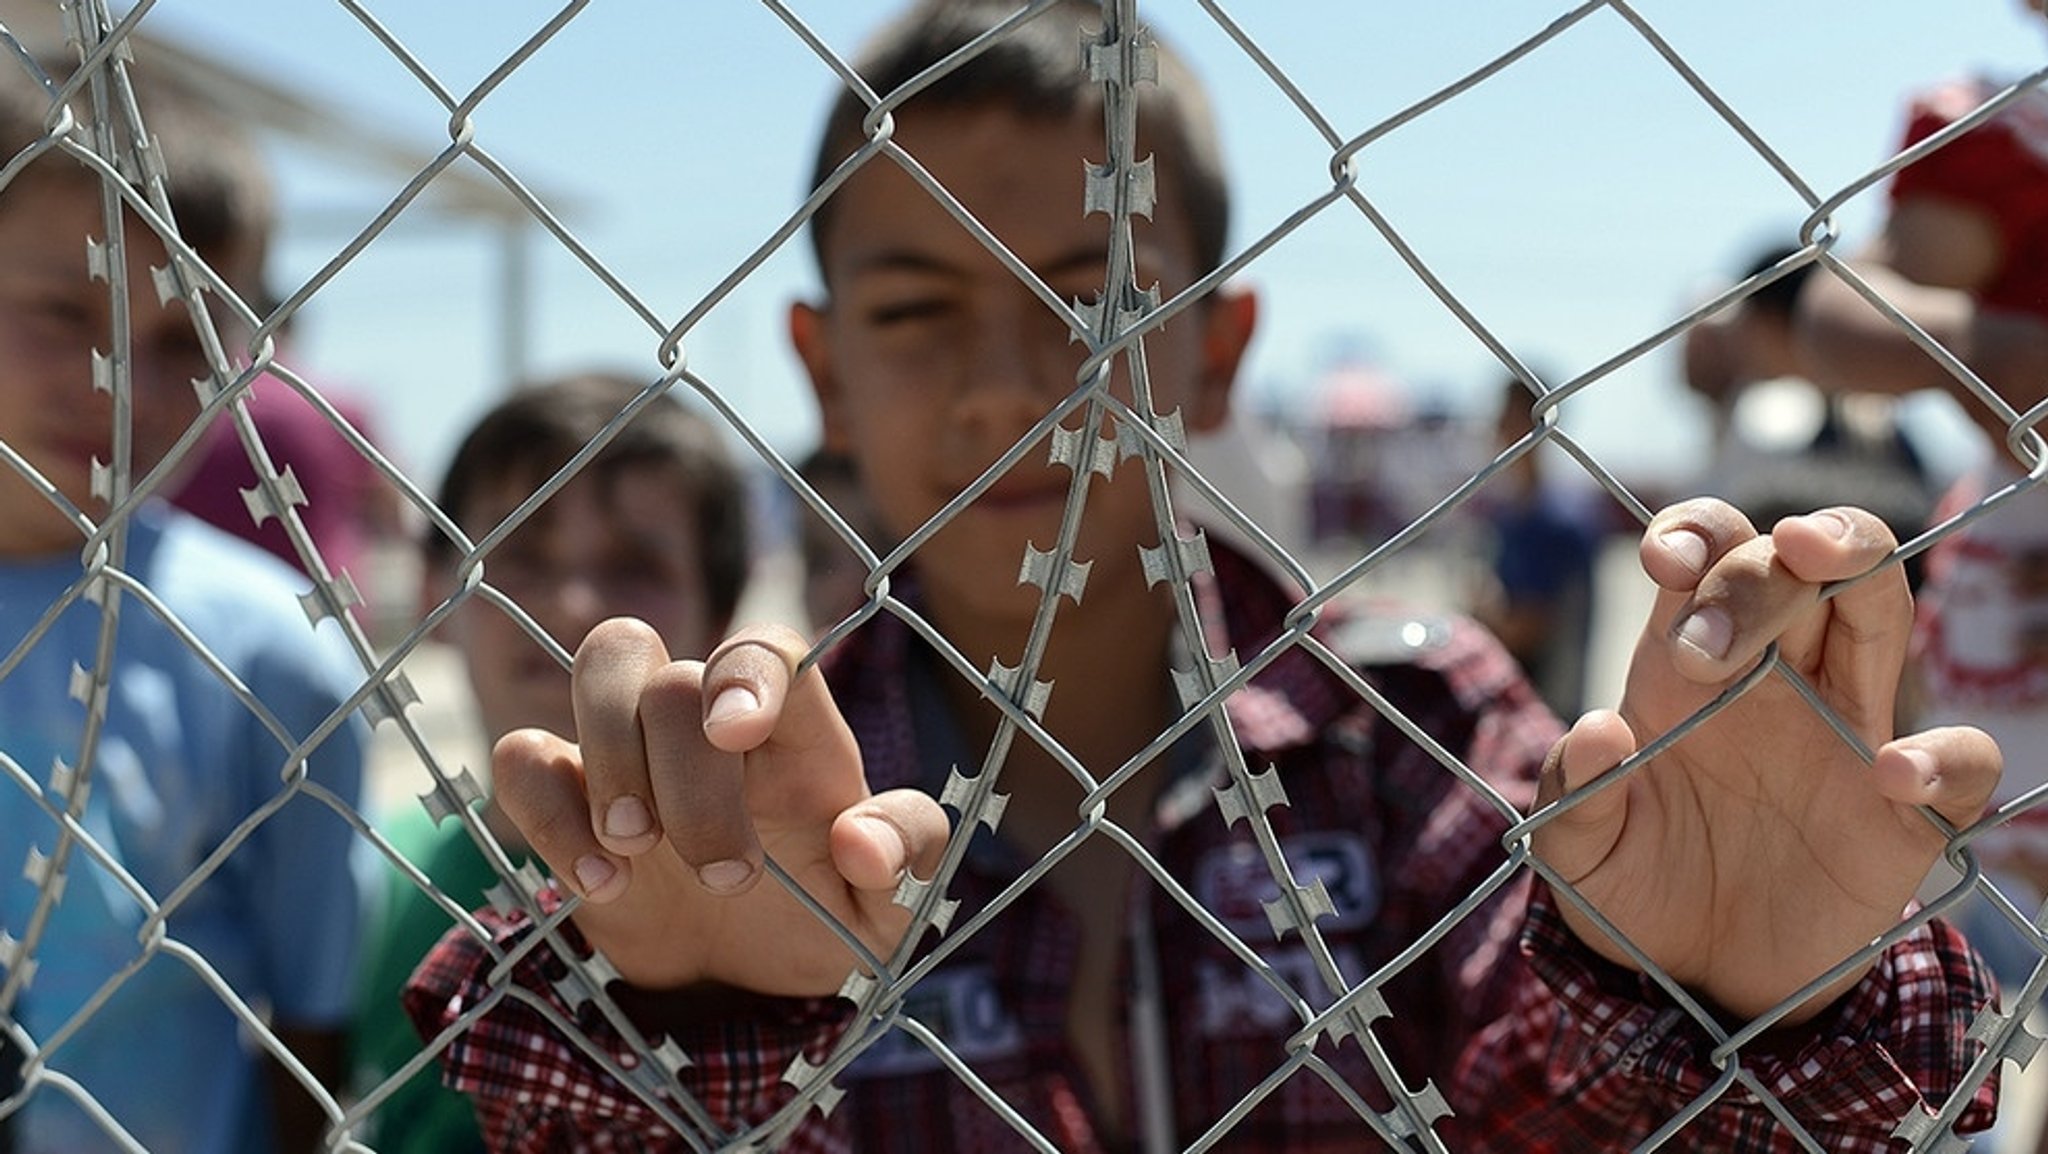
(1575, 203)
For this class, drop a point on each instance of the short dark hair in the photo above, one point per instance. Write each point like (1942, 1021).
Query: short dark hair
(533, 432)
(1036, 71)
(215, 175)
(1781, 296)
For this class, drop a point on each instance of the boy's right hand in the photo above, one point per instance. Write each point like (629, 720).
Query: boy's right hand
(685, 774)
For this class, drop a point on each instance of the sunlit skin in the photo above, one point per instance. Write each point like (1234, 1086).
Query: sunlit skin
(930, 360)
(52, 317)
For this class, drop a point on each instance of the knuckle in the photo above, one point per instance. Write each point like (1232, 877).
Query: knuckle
(617, 634)
(1862, 532)
(760, 651)
(751, 656)
(1710, 515)
(555, 831)
(675, 680)
(776, 636)
(523, 751)
(1746, 575)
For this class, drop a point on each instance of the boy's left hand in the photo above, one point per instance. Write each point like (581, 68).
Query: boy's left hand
(1760, 849)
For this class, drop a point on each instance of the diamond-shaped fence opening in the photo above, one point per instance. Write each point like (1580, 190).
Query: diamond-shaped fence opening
(1287, 896)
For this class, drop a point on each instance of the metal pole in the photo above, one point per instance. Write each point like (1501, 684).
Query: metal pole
(515, 303)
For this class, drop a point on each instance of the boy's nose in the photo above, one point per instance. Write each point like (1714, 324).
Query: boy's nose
(1020, 370)
(162, 405)
(574, 606)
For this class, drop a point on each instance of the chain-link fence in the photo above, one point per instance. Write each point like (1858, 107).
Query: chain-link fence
(88, 810)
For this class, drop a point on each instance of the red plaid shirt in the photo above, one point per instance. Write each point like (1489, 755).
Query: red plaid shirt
(1536, 1043)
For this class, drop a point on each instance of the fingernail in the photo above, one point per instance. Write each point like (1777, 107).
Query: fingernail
(878, 828)
(724, 877)
(1830, 522)
(592, 872)
(1926, 770)
(626, 818)
(1709, 630)
(733, 702)
(1689, 547)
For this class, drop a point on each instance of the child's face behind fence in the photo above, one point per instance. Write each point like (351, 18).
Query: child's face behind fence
(53, 316)
(930, 359)
(618, 542)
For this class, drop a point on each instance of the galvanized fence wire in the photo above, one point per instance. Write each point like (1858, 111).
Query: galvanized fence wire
(1113, 329)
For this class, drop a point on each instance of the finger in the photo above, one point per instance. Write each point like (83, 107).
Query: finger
(1576, 841)
(699, 790)
(612, 666)
(1863, 637)
(876, 843)
(747, 682)
(1742, 604)
(1753, 595)
(1953, 770)
(1832, 544)
(801, 756)
(537, 781)
(1683, 541)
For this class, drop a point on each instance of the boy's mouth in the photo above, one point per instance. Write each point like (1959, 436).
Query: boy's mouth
(1021, 502)
(70, 452)
(1023, 494)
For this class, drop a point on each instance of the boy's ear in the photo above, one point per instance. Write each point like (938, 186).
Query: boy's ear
(1228, 320)
(808, 325)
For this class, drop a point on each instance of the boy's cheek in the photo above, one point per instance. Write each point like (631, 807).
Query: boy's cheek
(41, 350)
(155, 432)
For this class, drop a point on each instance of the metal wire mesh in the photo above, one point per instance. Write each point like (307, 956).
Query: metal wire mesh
(1113, 330)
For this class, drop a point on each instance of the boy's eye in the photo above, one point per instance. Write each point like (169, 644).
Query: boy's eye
(638, 567)
(61, 317)
(182, 353)
(510, 564)
(1079, 284)
(908, 311)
